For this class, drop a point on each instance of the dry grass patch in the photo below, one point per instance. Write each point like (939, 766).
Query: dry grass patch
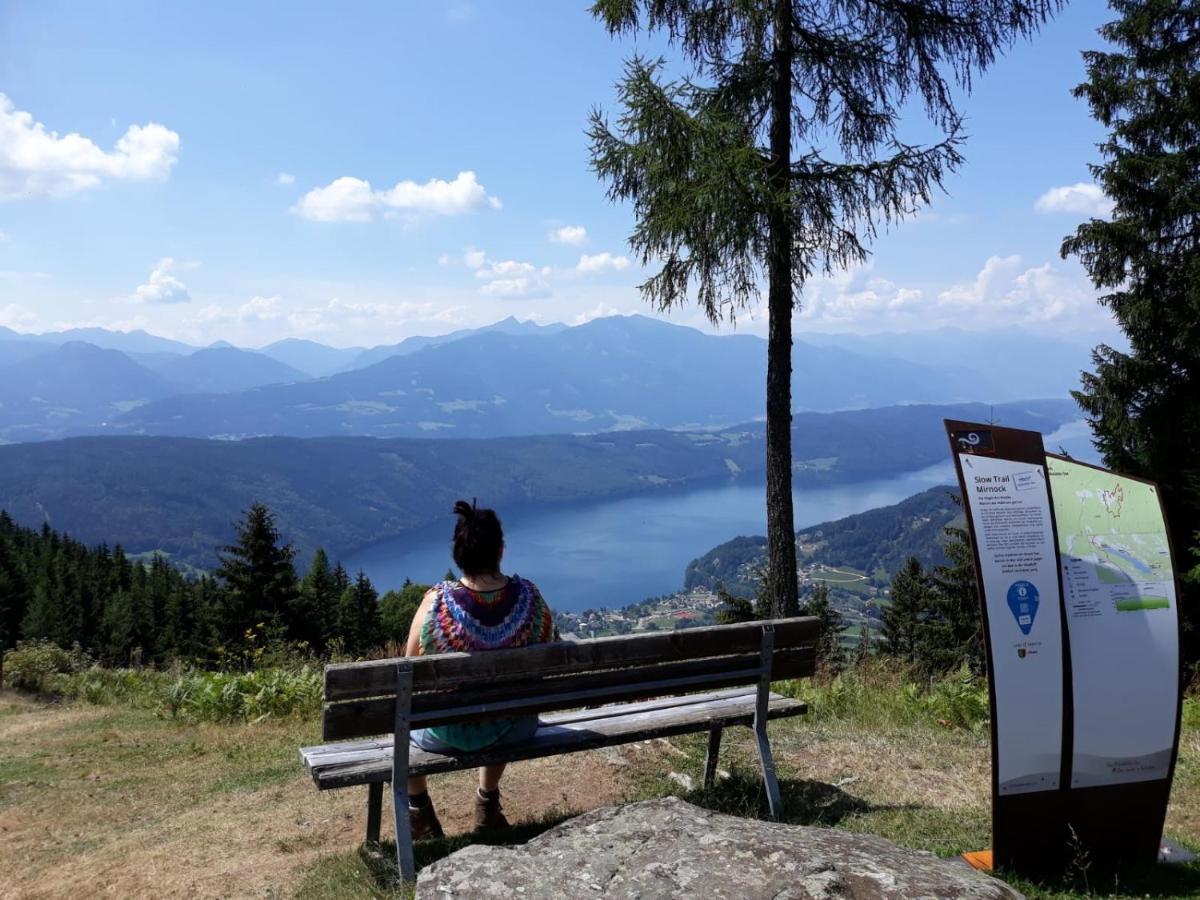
(116, 801)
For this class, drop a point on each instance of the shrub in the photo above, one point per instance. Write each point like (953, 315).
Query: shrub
(248, 696)
(36, 665)
(882, 693)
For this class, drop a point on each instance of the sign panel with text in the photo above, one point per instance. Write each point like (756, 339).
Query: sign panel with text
(1010, 512)
(1006, 497)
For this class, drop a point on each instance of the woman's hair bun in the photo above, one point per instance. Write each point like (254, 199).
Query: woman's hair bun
(478, 539)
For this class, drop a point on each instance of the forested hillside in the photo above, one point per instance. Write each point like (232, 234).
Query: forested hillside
(130, 611)
(876, 542)
(179, 496)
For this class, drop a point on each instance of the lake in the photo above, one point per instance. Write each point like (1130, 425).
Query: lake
(616, 552)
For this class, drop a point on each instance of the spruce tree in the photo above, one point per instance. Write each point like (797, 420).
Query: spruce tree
(953, 631)
(780, 155)
(314, 609)
(903, 616)
(734, 609)
(259, 580)
(341, 578)
(14, 591)
(1144, 405)
(829, 645)
(359, 623)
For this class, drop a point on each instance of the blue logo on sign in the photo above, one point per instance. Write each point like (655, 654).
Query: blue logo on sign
(1023, 601)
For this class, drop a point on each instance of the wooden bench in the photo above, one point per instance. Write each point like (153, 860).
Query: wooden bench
(700, 679)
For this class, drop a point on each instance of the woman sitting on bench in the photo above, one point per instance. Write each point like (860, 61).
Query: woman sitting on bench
(483, 610)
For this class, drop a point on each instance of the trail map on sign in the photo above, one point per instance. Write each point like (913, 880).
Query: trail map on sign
(1119, 590)
(1112, 536)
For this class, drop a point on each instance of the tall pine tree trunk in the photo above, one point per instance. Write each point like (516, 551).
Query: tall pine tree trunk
(781, 534)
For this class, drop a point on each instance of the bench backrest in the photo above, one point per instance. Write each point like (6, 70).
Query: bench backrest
(361, 697)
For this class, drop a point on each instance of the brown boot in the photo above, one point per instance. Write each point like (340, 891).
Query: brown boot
(488, 816)
(424, 822)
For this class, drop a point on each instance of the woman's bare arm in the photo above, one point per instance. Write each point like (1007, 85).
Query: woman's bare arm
(412, 646)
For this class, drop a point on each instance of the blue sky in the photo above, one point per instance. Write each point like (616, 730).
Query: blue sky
(357, 173)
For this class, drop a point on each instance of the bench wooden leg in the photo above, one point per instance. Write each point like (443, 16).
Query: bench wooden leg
(404, 843)
(710, 758)
(374, 811)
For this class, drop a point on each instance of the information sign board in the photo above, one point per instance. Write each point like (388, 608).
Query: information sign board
(1002, 474)
(1119, 587)
(1123, 629)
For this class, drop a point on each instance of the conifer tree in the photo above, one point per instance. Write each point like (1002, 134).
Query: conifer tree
(39, 621)
(863, 651)
(734, 609)
(341, 578)
(128, 627)
(953, 631)
(259, 580)
(781, 154)
(14, 591)
(358, 615)
(903, 616)
(359, 623)
(1144, 405)
(180, 626)
(314, 610)
(829, 645)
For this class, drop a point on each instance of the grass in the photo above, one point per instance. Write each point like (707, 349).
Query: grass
(121, 797)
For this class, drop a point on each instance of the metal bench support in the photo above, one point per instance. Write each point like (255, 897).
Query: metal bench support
(404, 843)
(774, 799)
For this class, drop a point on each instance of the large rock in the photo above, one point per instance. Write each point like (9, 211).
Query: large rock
(669, 848)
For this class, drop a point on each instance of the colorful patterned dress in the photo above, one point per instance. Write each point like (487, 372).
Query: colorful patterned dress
(463, 620)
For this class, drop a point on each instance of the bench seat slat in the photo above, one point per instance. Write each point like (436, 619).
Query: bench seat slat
(375, 764)
(334, 754)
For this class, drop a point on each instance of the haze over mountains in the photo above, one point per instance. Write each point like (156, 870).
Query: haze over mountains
(510, 378)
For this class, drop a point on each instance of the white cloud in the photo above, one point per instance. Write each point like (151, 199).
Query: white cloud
(1005, 292)
(285, 179)
(3, 237)
(600, 262)
(599, 311)
(511, 279)
(507, 267)
(573, 235)
(162, 286)
(348, 199)
(345, 199)
(259, 309)
(1082, 199)
(473, 258)
(988, 285)
(37, 162)
(11, 314)
(516, 288)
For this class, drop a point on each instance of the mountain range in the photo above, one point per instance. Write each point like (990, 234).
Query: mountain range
(510, 378)
(180, 495)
